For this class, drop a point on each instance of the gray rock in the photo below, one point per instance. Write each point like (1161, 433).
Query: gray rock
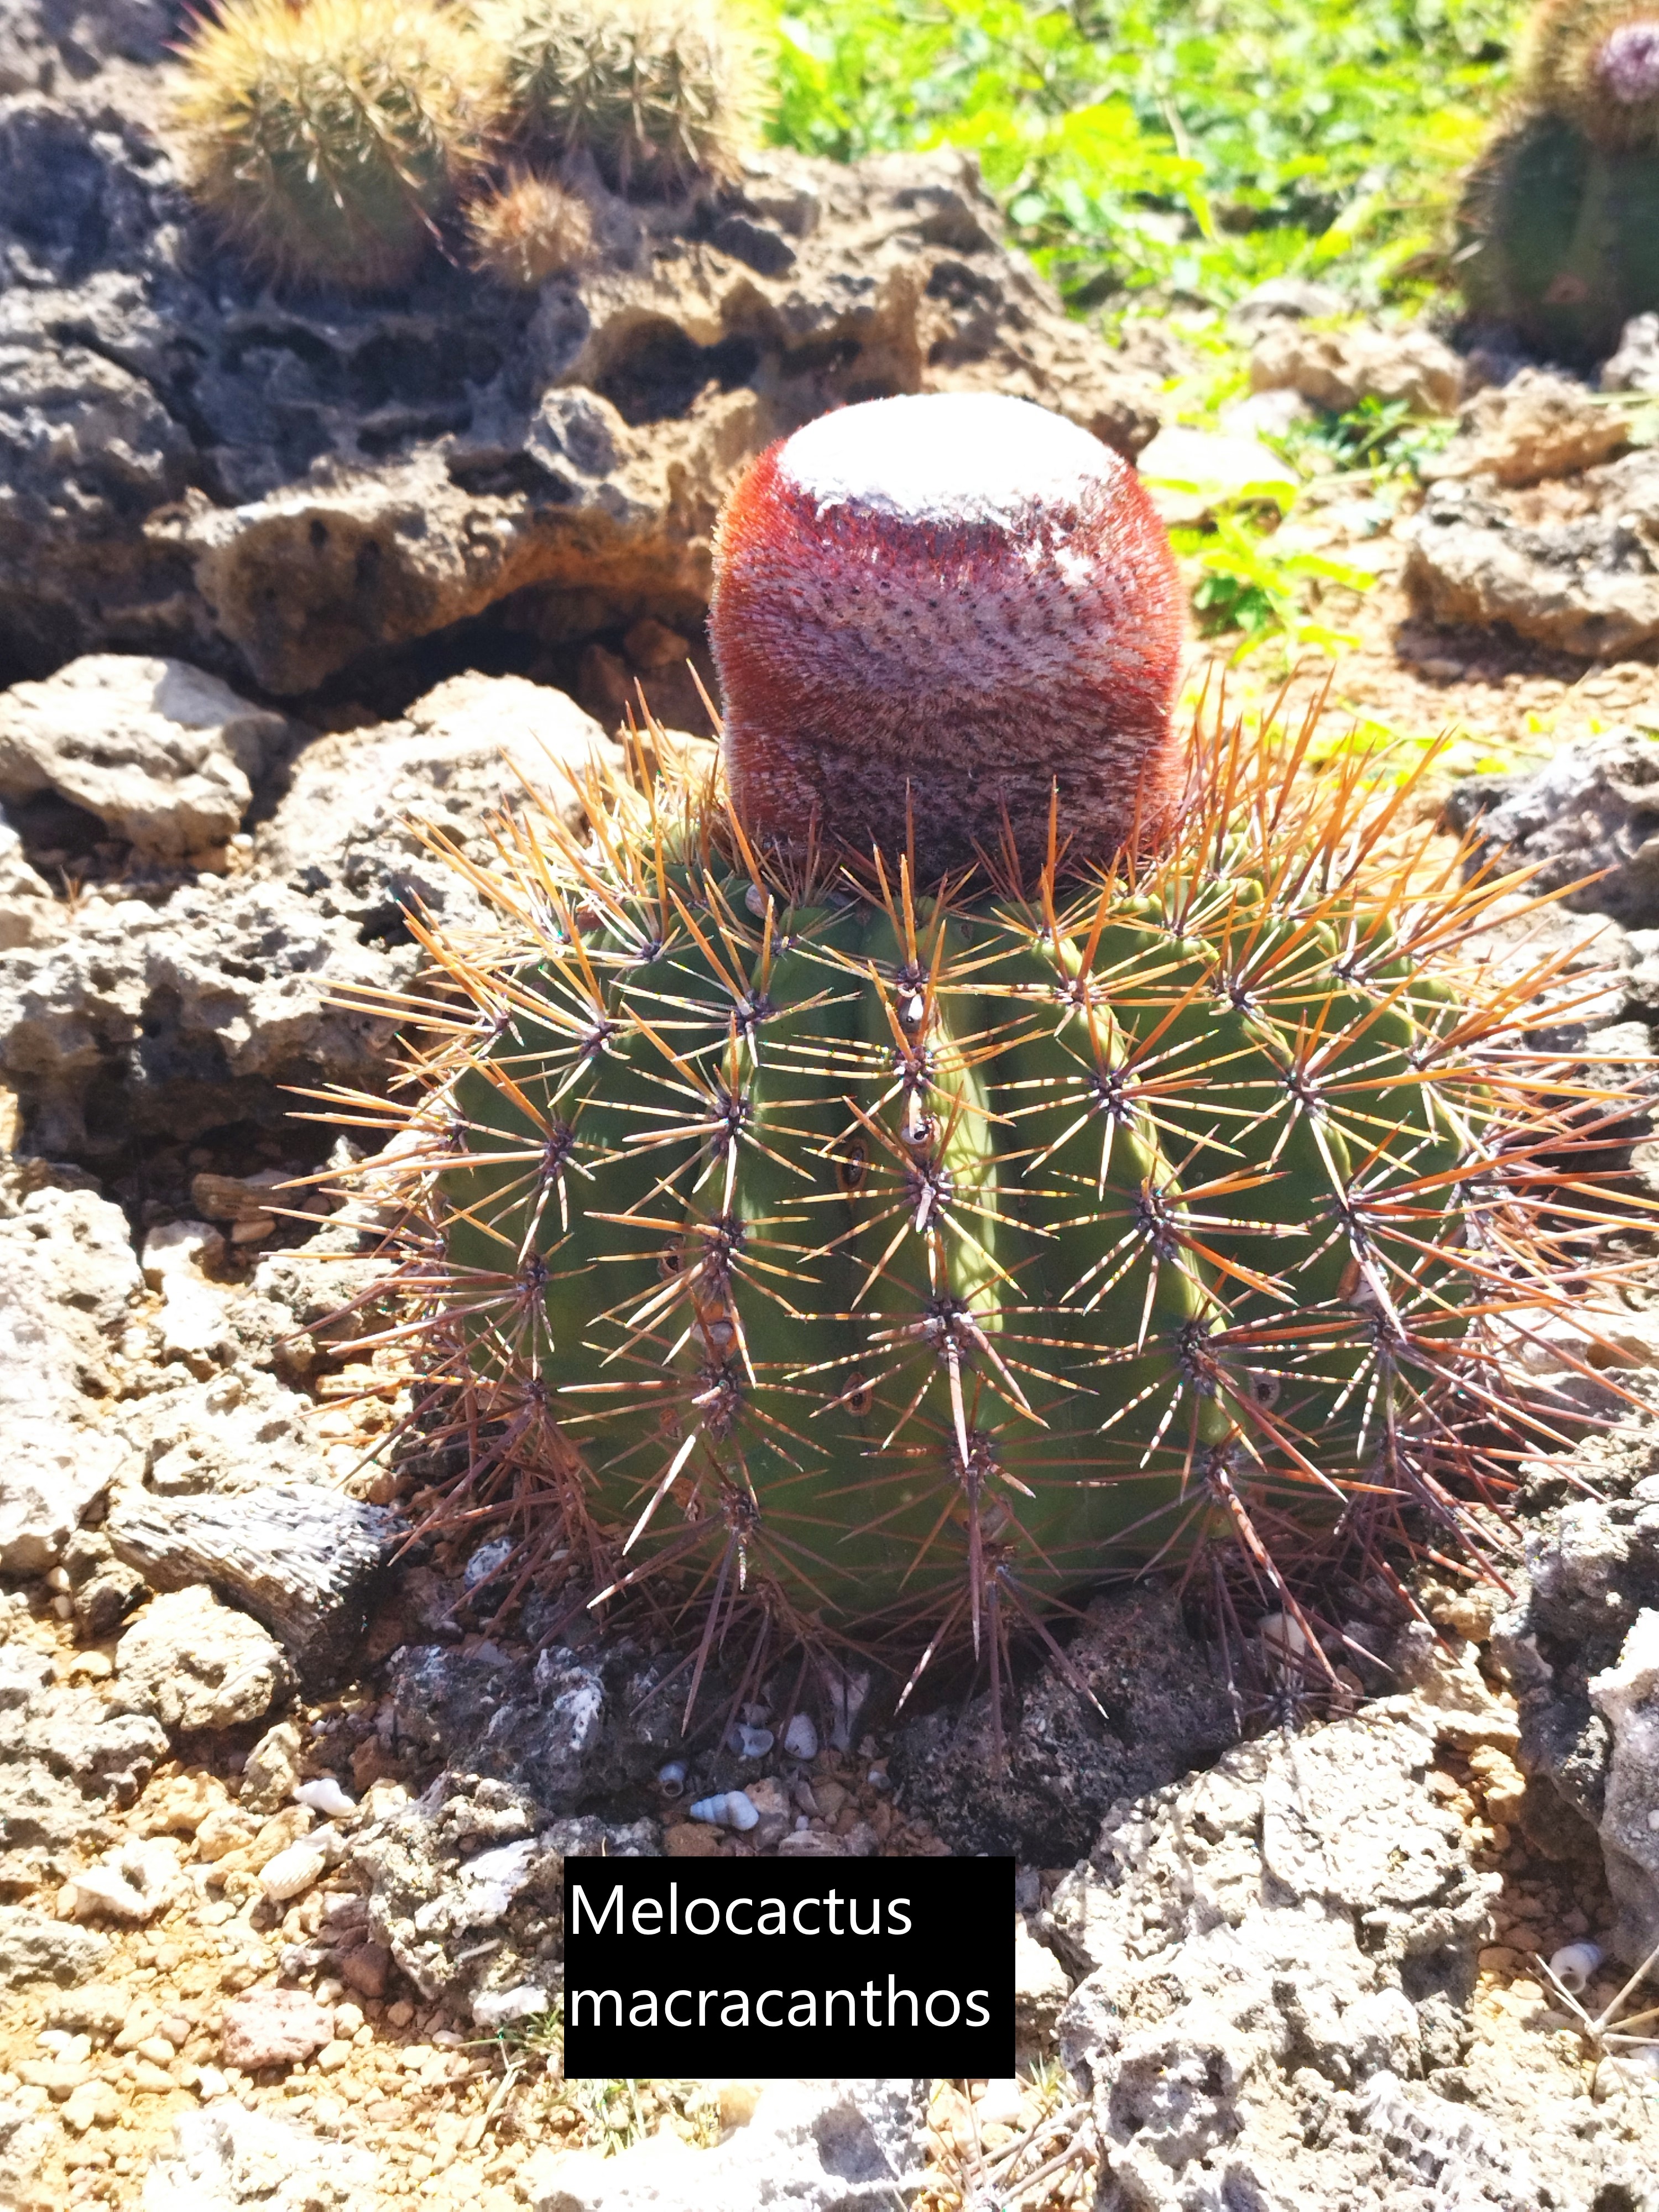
(172, 1018)
(195, 1663)
(102, 1589)
(67, 1281)
(466, 1888)
(46, 42)
(28, 2140)
(1064, 1765)
(228, 2156)
(1592, 1567)
(1537, 426)
(342, 832)
(29, 915)
(1278, 1958)
(1626, 1696)
(1635, 366)
(1587, 586)
(1339, 369)
(35, 1949)
(824, 2146)
(305, 1562)
(232, 1431)
(572, 1728)
(164, 755)
(67, 1760)
(1593, 809)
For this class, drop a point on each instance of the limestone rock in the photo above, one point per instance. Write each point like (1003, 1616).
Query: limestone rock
(274, 2028)
(228, 2156)
(1626, 1695)
(34, 1948)
(133, 1884)
(822, 2146)
(305, 1561)
(1593, 807)
(195, 1663)
(67, 1280)
(1635, 366)
(1592, 1570)
(29, 915)
(1537, 425)
(1189, 473)
(184, 1016)
(467, 1888)
(166, 757)
(1338, 368)
(341, 831)
(1588, 584)
(1278, 1957)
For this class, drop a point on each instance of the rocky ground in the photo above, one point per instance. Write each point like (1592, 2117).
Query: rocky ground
(283, 1818)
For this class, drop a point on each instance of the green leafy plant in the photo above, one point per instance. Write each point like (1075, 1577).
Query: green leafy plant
(1149, 145)
(1246, 581)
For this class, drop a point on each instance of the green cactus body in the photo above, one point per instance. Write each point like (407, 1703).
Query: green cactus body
(1562, 237)
(326, 139)
(850, 1241)
(654, 94)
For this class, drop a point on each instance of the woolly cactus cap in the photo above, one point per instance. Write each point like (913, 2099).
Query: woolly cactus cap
(1596, 63)
(927, 612)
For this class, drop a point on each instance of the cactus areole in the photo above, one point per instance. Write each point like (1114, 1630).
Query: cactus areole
(907, 1253)
(929, 611)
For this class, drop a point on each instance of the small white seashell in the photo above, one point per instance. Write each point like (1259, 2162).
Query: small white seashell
(1282, 1638)
(730, 1809)
(325, 1795)
(749, 1742)
(1574, 1963)
(800, 1738)
(670, 1779)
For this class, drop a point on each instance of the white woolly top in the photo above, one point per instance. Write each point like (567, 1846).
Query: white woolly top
(953, 457)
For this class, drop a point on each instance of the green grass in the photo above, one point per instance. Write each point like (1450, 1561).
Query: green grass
(1184, 152)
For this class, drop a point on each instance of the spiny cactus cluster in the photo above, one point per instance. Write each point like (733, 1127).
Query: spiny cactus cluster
(655, 90)
(1560, 218)
(333, 139)
(327, 140)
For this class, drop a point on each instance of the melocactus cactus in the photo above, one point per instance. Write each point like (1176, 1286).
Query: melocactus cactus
(1560, 218)
(326, 139)
(908, 1250)
(655, 90)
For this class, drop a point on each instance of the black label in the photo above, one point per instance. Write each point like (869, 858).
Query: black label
(770, 1968)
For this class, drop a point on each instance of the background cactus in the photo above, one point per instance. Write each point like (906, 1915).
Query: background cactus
(530, 229)
(326, 139)
(655, 91)
(1560, 217)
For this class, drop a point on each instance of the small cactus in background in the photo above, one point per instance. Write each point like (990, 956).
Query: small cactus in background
(326, 139)
(654, 91)
(902, 1252)
(530, 229)
(1560, 217)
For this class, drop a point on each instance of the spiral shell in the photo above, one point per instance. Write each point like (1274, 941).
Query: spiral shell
(730, 1809)
(1574, 1963)
(670, 1779)
(800, 1738)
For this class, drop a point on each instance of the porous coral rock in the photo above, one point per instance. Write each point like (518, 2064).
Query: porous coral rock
(163, 755)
